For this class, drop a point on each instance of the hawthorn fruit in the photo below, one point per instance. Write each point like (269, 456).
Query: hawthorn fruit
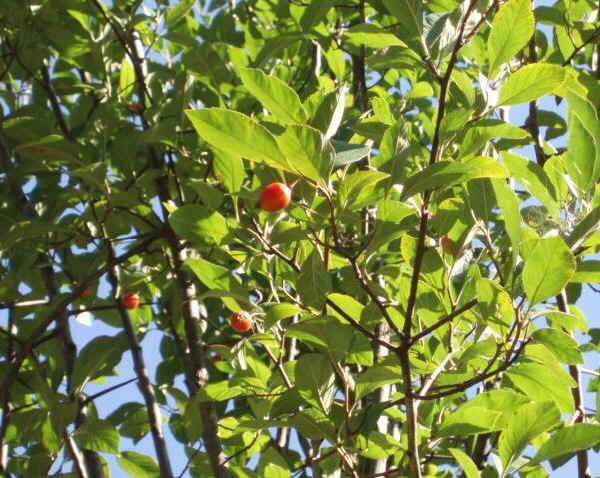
(274, 197)
(131, 300)
(241, 321)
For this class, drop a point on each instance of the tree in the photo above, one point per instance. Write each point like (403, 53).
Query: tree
(413, 308)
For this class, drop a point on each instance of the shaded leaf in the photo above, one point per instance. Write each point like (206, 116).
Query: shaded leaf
(445, 174)
(315, 380)
(198, 224)
(98, 435)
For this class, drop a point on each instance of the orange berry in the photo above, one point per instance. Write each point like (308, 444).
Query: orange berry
(135, 108)
(131, 300)
(241, 321)
(447, 245)
(274, 197)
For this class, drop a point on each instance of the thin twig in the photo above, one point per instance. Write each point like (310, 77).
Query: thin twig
(443, 321)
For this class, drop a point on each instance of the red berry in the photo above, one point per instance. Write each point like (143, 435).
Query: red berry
(85, 294)
(136, 108)
(215, 358)
(131, 300)
(274, 197)
(447, 246)
(241, 321)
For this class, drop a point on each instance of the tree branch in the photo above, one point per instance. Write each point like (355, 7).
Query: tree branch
(139, 365)
(583, 468)
(445, 320)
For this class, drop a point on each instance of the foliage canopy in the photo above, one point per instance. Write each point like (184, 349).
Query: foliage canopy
(413, 308)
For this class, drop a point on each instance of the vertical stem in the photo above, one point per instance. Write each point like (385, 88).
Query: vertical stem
(436, 151)
(383, 422)
(80, 465)
(411, 415)
(6, 399)
(532, 120)
(583, 468)
(598, 49)
(198, 376)
(146, 389)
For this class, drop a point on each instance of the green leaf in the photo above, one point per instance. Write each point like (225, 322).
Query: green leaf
(98, 435)
(483, 131)
(279, 312)
(276, 471)
(408, 12)
(527, 423)
(334, 337)
(281, 100)
(180, 10)
(220, 391)
(138, 465)
(348, 304)
(198, 224)
(470, 420)
(509, 204)
(314, 282)
(230, 170)
(336, 62)
(372, 36)
(587, 271)
(510, 32)
(214, 276)
(354, 184)
(488, 411)
(307, 152)
(50, 437)
(378, 445)
(346, 153)
(549, 266)
(52, 147)
(315, 380)
(126, 78)
(315, 13)
(531, 82)
(575, 320)
(445, 174)
(581, 436)
(583, 153)
(562, 345)
(99, 356)
(238, 135)
(534, 179)
(376, 377)
(584, 228)
(465, 462)
(542, 382)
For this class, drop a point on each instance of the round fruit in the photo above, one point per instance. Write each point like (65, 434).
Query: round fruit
(131, 300)
(241, 321)
(447, 246)
(274, 197)
(215, 358)
(136, 108)
(85, 294)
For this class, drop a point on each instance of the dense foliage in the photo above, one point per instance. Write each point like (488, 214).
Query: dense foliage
(413, 308)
